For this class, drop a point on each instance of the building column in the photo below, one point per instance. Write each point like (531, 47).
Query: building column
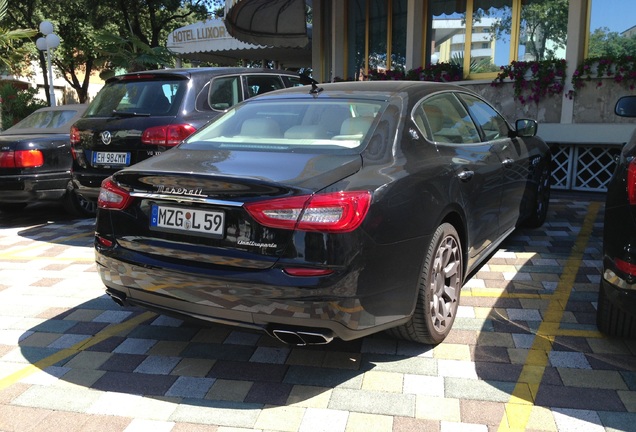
(338, 40)
(415, 38)
(317, 40)
(574, 51)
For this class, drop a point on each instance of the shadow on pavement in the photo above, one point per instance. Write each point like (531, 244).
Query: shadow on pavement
(580, 375)
(48, 222)
(203, 366)
(548, 275)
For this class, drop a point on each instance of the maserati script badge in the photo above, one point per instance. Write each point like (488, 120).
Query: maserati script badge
(106, 137)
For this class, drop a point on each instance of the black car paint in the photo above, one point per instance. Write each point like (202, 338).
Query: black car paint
(44, 183)
(616, 313)
(415, 187)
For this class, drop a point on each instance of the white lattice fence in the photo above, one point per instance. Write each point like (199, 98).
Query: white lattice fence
(583, 167)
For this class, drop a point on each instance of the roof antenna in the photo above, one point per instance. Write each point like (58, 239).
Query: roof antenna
(306, 79)
(315, 89)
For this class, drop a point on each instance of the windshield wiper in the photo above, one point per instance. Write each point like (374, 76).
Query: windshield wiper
(129, 114)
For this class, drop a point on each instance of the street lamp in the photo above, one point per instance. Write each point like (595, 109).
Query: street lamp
(49, 42)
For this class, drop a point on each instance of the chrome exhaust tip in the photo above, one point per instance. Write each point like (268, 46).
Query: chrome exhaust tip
(301, 338)
(117, 297)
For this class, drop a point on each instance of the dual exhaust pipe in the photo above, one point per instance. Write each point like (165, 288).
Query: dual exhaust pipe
(301, 338)
(289, 336)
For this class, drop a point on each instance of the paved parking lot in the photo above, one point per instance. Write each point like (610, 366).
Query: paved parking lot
(524, 353)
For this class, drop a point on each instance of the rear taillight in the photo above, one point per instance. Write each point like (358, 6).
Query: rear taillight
(307, 272)
(168, 135)
(330, 212)
(625, 266)
(631, 182)
(111, 196)
(75, 135)
(21, 159)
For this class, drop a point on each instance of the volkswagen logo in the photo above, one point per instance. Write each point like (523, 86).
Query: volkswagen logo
(106, 137)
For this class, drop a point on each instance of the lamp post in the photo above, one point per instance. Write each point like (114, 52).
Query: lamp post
(49, 42)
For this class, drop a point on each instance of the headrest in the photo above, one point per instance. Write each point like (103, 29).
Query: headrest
(355, 126)
(260, 127)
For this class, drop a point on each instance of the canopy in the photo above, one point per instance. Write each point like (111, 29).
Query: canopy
(278, 23)
(210, 41)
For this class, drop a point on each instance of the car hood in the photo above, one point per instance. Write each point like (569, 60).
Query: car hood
(306, 171)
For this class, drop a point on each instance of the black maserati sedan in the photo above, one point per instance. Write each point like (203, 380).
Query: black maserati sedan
(616, 312)
(325, 211)
(36, 159)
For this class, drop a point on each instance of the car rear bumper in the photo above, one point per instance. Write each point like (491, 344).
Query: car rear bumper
(340, 310)
(619, 293)
(33, 188)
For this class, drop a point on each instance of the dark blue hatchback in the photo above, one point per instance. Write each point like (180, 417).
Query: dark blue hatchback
(139, 115)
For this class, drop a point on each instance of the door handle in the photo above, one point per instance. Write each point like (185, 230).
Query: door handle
(508, 162)
(465, 175)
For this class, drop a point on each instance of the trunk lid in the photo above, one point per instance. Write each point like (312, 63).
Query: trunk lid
(210, 189)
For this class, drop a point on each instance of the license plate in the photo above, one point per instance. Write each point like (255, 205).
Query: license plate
(111, 158)
(187, 220)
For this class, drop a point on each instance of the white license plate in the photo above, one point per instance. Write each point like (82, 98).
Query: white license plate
(111, 158)
(187, 220)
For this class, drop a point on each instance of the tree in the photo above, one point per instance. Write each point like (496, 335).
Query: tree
(543, 27)
(606, 43)
(135, 29)
(12, 52)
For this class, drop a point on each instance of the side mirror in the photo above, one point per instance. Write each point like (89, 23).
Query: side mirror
(526, 127)
(626, 107)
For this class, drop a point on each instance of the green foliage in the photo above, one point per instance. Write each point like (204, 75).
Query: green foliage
(16, 104)
(12, 53)
(621, 69)
(131, 54)
(533, 80)
(141, 26)
(543, 27)
(610, 56)
(606, 43)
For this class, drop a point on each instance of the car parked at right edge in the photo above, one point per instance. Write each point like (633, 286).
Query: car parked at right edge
(616, 312)
(142, 114)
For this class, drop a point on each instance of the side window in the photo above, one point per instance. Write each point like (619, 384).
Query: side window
(292, 81)
(259, 84)
(225, 92)
(491, 123)
(442, 118)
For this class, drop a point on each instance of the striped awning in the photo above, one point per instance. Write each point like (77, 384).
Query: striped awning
(278, 23)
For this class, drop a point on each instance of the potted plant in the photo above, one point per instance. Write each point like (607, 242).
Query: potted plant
(621, 69)
(533, 80)
(440, 72)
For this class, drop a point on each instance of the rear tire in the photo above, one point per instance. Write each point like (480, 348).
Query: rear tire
(612, 320)
(78, 206)
(438, 290)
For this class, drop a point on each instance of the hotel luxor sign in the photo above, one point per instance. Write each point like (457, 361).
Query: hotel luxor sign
(209, 30)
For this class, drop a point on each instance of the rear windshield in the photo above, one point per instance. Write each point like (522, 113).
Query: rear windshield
(297, 125)
(138, 97)
(46, 120)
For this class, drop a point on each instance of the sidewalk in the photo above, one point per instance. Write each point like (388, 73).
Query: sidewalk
(524, 353)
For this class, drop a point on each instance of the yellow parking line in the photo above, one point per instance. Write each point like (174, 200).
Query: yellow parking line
(77, 348)
(519, 407)
(478, 292)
